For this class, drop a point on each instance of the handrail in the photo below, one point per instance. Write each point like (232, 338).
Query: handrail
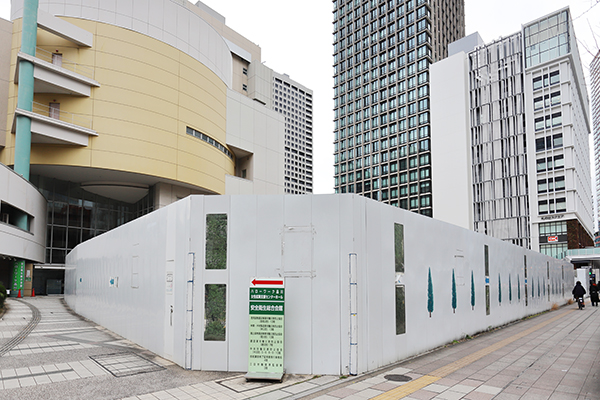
(46, 55)
(61, 115)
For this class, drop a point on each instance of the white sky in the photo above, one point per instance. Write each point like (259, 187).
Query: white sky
(296, 39)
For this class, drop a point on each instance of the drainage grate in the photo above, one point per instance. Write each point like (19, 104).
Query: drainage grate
(125, 364)
(398, 378)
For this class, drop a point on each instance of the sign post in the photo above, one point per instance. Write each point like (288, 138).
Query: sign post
(265, 333)
(18, 276)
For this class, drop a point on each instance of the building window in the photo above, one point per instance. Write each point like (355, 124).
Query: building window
(561, 204)
(557, 140)
(209, 140)
(539, 123)
(556, 119)
(555, 250)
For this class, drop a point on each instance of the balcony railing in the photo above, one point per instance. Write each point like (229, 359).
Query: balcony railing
(60, 61)
(64, 116)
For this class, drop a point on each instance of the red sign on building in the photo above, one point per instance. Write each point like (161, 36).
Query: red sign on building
(552, 238)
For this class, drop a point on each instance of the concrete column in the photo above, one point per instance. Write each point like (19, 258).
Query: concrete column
(23, 124)
(25, 93)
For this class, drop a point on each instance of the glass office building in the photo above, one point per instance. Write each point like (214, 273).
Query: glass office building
(382, 54)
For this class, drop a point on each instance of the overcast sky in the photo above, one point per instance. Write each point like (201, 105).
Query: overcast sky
(296, 39)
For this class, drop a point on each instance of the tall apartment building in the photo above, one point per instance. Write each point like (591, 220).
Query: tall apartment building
(294, 101)
(595, 93)
(515, 112)
(382, 54)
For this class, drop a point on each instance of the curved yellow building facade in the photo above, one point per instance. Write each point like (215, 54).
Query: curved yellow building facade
(135, 105)
(149, 93)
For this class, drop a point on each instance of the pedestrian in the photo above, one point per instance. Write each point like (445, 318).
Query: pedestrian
(594, 294)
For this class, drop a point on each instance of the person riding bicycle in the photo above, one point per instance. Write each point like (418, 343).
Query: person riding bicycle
(578, 290)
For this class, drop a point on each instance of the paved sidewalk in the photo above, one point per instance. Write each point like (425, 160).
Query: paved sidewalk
(553, 356)
(67, 357)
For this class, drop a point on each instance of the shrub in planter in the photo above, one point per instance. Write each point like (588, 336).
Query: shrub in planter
(2, 294)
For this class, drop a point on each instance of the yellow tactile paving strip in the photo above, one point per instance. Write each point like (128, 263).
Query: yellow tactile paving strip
(419, 383)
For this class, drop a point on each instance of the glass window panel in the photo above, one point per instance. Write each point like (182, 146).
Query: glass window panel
(215, 309)
(216, 241)
(399, 247)
(400, 310)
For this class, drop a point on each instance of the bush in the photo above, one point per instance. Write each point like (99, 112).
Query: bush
(214, 331)
(2, 294)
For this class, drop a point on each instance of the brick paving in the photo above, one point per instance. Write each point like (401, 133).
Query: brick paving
(553, 356)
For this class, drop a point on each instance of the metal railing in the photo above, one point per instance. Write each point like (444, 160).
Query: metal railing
(588, 251)
(64, 116)
(59, 61)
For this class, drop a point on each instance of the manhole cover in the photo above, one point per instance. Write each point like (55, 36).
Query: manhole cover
(125, 364)
(398, 378)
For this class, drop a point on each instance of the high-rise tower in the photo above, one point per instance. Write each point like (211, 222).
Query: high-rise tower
(294, 102)
(515, 111)
(595, 93)
(382, 53)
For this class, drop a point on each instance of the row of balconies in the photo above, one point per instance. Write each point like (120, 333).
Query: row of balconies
(54, 74)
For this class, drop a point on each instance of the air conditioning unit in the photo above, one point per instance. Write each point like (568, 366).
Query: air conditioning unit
(4, 218)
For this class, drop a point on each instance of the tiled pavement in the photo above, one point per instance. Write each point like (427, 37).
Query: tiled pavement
(552, 356)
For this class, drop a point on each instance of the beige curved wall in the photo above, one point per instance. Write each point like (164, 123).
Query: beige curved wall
(150, 92)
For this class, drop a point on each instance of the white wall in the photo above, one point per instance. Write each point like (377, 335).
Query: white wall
(255, 130)
(307, 240)
(21, 194)
(451, 141)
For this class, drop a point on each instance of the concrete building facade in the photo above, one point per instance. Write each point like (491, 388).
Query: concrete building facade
(295, 103)
(135, 105)
(20, 247)
(523, 102)
(366, 284)
(595, 102)
(382, 130)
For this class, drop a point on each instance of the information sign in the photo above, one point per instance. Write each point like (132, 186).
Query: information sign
(266, 328)
(18, 277)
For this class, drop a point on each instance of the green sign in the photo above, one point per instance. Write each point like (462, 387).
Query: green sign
(18, 276)
(265, 346)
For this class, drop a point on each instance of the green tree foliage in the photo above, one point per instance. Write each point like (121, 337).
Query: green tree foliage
(400, 311)
(472, 292)
(429, 294)
(499, 290)
(399, 247)
(2, 294)
(215, 308)
(216, 241)
(453, 292)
